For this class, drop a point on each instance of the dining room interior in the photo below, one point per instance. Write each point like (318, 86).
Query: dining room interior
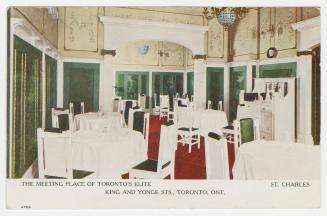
(217, 93)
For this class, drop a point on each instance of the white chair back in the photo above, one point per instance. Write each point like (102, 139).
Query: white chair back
(167, 149)
(209, 104)
(220, 105)
(216, 156)
(71, 108)
(142, 101)
(54, 154)
(55, 121)
(164, 101)
(54, 116)
(116, 103)
(131, 117)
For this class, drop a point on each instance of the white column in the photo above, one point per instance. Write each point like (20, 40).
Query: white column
(249, 77)
(199, 84)
(304, 69)
(107, 84)
(226, 88)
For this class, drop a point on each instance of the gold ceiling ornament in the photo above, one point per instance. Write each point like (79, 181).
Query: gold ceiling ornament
(226, 15)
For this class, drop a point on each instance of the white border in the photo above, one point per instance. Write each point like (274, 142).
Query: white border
(3, 95)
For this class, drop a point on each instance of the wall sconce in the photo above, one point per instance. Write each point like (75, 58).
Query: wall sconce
(161, 53)
(143, 50)
(269, 33)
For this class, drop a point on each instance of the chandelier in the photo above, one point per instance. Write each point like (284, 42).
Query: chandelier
(226, 15)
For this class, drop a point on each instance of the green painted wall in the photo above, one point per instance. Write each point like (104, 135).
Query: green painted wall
(278, 70)
(164, 83)
(215, 85)
(26, 107)
(81, 83)
(50, 88)
(190, 83)
(237, 83)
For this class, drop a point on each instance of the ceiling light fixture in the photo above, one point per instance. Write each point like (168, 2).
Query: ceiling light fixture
(226, 15)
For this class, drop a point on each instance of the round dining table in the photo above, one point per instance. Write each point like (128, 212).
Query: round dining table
(97, 121)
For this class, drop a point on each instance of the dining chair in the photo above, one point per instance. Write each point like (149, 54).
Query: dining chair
(220, 106)
(55, 155)
(131, 115)
(164, 106)
(186, 132)
(141, 101)
(76, 107)
(172, 107)
(216, 156)
(245, 130)
(63, 122)
(128, 105)
(209, 104)
(156, 105)
(116, 103)
(165, 165)
(141, 123)
(54, 113)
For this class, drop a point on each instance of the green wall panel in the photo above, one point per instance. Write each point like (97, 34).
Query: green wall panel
(215, 85)
(26, 107)
(237, 83)
(278, 70)
(190, 83)
(50, 88)
(81, 83)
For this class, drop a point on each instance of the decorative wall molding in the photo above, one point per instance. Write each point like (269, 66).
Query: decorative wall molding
(309, 33)
(118, 32)
(27, 32)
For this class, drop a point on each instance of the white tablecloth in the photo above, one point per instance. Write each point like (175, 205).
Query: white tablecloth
(210, 121)
(96, 122)
(267, 160)
(109, 154)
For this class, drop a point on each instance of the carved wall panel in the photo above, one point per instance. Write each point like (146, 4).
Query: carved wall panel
(175, 55)
(81, 28)
(285, 36)
(245, 36)
(130, 55)
(151, 15)
(215, 42)
(265, 25)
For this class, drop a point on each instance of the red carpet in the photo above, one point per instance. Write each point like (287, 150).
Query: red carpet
(187, 165)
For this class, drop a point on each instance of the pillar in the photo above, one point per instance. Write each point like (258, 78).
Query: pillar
(107, 83)
(304, 69)
(199, 82)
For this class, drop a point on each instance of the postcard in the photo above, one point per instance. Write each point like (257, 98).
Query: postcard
(163, 107)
